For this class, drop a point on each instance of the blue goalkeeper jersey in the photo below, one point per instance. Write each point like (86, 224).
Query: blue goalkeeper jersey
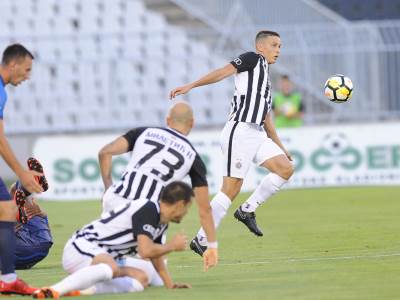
(3, 97)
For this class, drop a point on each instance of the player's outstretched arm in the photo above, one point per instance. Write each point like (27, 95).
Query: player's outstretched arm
(148, 249)
(26, 176)
(116, 147)
(212, 77)
(269, 127)
(210, 256)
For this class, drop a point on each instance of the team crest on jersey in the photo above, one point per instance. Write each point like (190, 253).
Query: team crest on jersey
(238, 164)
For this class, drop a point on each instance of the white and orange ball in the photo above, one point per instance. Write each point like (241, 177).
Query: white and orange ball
(338, 88)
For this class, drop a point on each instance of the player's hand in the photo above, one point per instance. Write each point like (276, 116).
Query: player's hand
(179, 242)
(288, 155)
(179, 91)
(181, 286)
(29, 182)
(210, 258)
(32, 209)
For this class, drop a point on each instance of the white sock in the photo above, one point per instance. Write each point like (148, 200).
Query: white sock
(219, 206)
(271, 184)
(7, 278)
(84, 278)
(115, 286)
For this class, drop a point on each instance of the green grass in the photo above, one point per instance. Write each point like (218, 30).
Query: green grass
(318, 244)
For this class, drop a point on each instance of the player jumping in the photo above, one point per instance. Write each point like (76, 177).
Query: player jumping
(249, 135)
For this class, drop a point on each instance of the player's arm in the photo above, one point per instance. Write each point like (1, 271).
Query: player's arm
(26, 176)
(116, 147)
(119, 146)
(198, 176)
(144, 223)
(148, 249)
(272, 134)
(162, 270)
(210, 256)
(212, 77)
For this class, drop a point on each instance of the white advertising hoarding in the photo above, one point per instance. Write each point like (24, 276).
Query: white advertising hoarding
(323, 156)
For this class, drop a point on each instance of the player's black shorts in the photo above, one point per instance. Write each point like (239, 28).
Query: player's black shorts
(4, 194)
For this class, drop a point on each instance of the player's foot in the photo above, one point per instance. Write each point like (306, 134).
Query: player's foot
(18, 287)
(248, 219)
(20, 198)
(73, 294)
(196, 247)
(45, 292)
(35, 165)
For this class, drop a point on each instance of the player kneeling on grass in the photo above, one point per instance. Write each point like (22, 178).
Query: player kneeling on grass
(90, 256)
(33, 237)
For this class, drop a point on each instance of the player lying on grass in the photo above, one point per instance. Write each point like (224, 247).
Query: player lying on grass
(135, 228)
(33, 237)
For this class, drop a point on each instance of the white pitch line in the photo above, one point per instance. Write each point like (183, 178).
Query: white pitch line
(260, 262)
(306, 259)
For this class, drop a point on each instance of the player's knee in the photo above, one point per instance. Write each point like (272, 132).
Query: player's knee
(286, 171)
(142, 278)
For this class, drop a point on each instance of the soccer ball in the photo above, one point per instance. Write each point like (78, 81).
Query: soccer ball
(338, 88)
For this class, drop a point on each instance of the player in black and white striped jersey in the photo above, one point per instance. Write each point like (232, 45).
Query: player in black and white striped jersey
(136, 227)
(249, 135)
(160, 155)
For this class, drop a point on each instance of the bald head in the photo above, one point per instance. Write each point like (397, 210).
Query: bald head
(180, 117)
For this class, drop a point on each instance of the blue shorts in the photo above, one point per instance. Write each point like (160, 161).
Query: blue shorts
(4, 194)
(33, 242)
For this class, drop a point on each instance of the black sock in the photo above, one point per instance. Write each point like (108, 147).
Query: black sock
(7, 247)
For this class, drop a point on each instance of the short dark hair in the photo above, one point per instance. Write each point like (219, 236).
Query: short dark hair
(15, 51)
(266, 33)
(285, 76)
(176, 191)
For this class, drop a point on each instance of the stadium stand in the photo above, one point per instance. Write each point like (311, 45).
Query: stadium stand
(365, 10)
(108, 65)
(102, 65)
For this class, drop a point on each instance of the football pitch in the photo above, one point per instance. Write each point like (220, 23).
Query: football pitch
(336, 243)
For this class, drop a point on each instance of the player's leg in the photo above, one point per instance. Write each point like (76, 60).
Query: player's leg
(139, 274)
(239, 144)
(221, 202)
(9, 283)
(271, 157)
(87, 265)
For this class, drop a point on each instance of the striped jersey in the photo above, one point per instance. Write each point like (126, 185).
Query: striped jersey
(252, 98)
(159, 156)
(117, 231)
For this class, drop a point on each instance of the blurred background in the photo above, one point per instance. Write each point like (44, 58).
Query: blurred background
(104, 66)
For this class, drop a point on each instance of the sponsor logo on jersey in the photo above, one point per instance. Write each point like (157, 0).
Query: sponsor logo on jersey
(150, 229)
